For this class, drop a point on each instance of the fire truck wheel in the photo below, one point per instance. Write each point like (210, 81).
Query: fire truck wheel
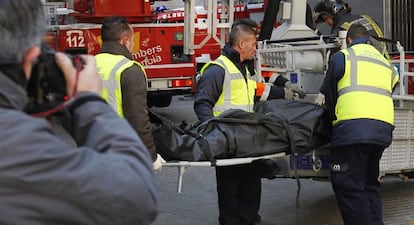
(162, 100)
(158, 100)
(150, 101)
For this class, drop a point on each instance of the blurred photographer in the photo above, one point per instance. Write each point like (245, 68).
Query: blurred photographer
(108, 179)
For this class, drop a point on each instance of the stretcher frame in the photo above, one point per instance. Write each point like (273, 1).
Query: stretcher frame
(182, 165)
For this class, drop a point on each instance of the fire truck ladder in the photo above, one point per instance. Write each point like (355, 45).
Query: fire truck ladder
(216, 19)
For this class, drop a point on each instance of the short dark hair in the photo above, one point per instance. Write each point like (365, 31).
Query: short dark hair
(240, 27)
(114, 28)
(357, 31)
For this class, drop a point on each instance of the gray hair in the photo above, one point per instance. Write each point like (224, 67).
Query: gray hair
(22, 25)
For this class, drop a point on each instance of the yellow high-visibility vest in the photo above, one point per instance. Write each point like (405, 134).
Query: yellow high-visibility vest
(110, 68)
(237, 92)
(365, 90)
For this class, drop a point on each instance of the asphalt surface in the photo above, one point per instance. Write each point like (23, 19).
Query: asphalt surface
(197, 203)
(316, 205)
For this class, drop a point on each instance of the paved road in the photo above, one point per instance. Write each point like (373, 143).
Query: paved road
(197, 204)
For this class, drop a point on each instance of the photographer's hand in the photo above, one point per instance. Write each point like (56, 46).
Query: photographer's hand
(88, 79)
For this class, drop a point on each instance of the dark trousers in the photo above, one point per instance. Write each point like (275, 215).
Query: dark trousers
(239, 190)
(354, 176)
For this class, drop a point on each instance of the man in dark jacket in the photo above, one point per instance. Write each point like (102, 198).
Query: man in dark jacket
(359, 84)
(230, 82)
(108, 179)
(124, 80)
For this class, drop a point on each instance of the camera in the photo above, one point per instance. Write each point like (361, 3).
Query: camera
(46, 87)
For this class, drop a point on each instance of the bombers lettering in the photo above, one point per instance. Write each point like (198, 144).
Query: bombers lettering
(149, 56)
(151, 60)
(148, 52)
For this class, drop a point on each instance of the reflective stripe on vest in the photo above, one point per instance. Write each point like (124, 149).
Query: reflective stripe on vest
(365, 89)
(370, 24)
(110, 69)
(237, 92)
(367, 22)
(378, 30)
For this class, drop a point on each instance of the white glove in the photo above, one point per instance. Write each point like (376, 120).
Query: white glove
(320, 99)
(295, 88)
(157, 164)
(288, 94)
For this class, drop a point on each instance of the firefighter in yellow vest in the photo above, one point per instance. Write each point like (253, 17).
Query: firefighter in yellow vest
(124, 80)
(230, 82)
(359, 85)
(337, 14)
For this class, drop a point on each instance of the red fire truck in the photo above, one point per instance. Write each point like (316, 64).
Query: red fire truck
(170, 46)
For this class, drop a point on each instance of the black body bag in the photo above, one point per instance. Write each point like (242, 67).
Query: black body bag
(307, 124)
(278, 126)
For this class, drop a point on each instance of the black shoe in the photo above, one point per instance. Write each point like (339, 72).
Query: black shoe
(268, 168)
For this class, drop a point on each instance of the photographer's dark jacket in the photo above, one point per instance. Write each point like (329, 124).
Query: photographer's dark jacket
(109, 179)
(134, 96)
